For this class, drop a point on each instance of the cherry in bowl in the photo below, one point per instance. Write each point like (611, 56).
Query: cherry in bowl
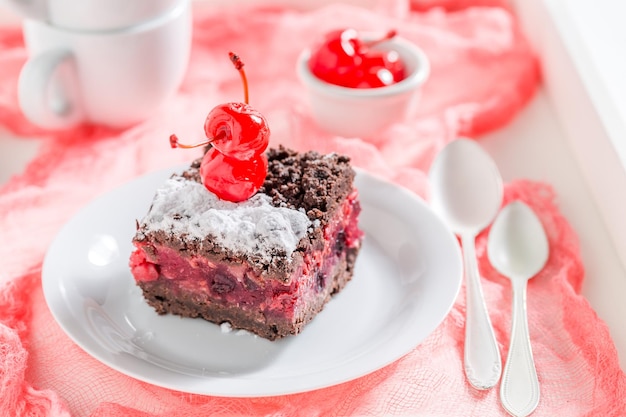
(343, 57)
(364, 112)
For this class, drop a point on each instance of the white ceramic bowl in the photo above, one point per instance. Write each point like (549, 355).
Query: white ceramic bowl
(362, 112)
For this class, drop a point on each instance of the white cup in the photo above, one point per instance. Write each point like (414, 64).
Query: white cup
(93, 15)
(115, 78)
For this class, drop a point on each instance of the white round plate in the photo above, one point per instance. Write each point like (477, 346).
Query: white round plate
(407, 277)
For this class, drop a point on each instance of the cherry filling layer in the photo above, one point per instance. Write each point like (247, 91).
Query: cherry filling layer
(201, 282)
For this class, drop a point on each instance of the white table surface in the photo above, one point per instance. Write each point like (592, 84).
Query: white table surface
(534, 146)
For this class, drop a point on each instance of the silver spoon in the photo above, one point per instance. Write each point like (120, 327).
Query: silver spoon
(466, 191)
(518, 248)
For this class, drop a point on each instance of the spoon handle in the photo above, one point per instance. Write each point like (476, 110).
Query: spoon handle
(519, 391)
(482, 356)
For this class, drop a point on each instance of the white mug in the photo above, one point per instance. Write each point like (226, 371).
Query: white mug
(115, 78)
(93, 15)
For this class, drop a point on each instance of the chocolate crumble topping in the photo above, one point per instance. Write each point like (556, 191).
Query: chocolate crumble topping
(318, 184)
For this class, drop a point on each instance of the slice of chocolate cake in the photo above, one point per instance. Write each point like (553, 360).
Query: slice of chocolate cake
(267, 265)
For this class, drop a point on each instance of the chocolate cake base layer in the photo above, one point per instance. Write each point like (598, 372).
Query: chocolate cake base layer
(160, 295)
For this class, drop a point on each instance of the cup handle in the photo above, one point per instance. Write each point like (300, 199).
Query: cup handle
(48, 90)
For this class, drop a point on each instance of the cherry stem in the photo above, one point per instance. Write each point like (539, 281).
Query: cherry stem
(174, 143)
(391, 34)
(238, 63)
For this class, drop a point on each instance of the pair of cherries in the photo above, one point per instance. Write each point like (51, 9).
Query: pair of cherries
(344, 59)
(234, 167)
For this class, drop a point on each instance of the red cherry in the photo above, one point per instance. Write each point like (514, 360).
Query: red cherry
(379, 69)
(232, 179)
(336, 56)
(143, 270)
(390, 60)
(235, 129)
(238, 130)
(375, 77)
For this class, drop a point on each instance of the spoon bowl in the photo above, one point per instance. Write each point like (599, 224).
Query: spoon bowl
(466, 192)
(518, 248)
(466, 186)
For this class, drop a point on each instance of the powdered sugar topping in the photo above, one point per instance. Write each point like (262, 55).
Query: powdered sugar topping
(254, 227)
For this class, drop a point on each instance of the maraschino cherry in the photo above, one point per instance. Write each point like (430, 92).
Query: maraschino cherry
(380, 68)
(232, 179)
(234, 168)
(337, 55)
(344, 59)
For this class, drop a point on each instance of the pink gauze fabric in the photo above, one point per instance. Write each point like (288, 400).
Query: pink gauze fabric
(483, 72)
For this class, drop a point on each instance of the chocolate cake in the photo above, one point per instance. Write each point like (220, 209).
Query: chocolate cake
(267, 265)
